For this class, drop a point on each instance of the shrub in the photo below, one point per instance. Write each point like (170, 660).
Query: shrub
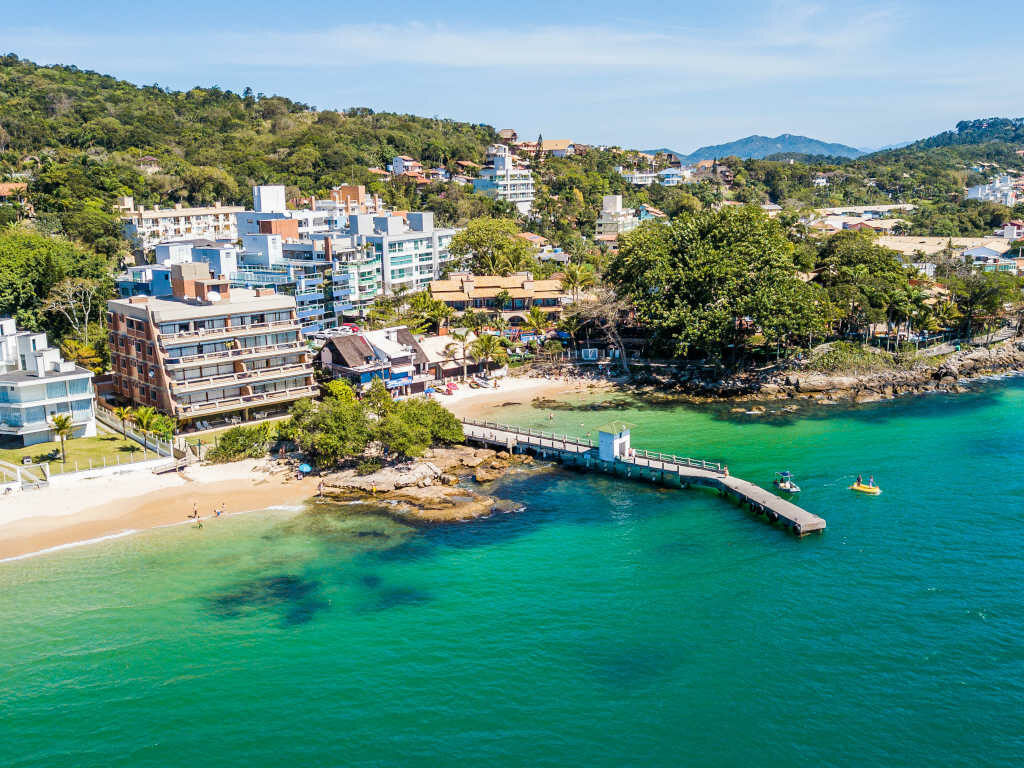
(846, 357)
(245, 442)
(368, 467)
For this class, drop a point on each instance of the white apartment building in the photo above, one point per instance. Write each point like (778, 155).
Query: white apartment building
(502, 180)
(402, 253)
(370, 257)
(36, 383)
(613, 218)
(673, 177)
(322, 217)
(1012, 230)
(639, 178)
(405, 164)
(147, 227)
(999, 191)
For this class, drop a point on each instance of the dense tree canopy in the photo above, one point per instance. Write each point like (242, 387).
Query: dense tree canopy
(491, 247)
(707, 280)
(32, 265)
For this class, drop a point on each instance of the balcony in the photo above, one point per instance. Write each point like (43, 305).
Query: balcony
(243, 377)
(237, 330)
(234, 354)
(245, 401)
(312, 310)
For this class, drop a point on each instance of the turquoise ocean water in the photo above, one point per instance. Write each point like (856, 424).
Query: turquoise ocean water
(605, 623)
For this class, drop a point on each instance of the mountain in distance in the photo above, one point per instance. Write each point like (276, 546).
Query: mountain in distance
(758, 147)
(897, 145)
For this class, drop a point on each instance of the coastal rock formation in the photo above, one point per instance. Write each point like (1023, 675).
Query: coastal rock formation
(419, 473)
(943, 373)
(441, 504)
(427, 490)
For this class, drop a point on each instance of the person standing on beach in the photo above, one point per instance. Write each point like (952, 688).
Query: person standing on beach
(195, 510)
(320, 489)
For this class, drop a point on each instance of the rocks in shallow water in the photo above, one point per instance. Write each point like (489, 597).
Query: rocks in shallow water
(440, 503)
(488, 474)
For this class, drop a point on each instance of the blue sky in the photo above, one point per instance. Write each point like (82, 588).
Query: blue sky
(640, 74)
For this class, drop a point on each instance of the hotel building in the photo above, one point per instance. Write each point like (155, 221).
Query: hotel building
(208, 350)
(145, 228)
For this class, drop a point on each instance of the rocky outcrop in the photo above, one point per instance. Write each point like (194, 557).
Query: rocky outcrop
(427, 490)
(414, 473)
(441, 504)
(947, 374)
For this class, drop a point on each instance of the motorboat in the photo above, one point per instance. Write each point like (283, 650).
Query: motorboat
(784, 482)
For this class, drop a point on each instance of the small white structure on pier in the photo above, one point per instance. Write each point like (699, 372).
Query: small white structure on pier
(613, 441)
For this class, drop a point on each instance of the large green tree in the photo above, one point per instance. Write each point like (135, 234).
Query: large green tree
(491, 247)
(707, 281)
(32, 265)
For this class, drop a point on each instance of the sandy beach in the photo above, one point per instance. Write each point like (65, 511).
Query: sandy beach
(88, 510)
(62, 515)
(469, 403)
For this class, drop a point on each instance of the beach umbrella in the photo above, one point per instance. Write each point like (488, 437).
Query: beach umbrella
(305, 468)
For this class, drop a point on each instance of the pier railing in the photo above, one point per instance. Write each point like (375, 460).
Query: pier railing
(526, 431)
(638, 456)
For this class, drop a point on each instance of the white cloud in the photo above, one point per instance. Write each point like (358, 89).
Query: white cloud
(789, 42)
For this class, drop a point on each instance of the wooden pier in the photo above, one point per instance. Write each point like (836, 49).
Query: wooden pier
(641, 465)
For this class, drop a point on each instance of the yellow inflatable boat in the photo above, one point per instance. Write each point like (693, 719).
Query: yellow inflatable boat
(872, 490)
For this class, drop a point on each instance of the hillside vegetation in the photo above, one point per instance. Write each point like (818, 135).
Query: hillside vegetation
(79, 136)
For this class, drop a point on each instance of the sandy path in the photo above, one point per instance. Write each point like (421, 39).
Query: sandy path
(481, 403)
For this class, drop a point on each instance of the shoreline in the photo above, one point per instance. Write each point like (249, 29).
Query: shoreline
(519, 390)
(123, 505)
(91, 511)
(95, 510)
(951, 374)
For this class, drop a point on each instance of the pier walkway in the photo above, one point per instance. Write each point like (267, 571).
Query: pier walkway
(667, 469)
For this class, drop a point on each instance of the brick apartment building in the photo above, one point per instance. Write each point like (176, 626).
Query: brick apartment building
(209, 350)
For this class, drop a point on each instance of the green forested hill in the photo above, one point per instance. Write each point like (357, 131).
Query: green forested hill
(998, 129)
(80, 136)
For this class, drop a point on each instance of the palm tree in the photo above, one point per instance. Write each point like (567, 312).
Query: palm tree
(500, 324)
(439, 315)
(488, 349)
(462, 340)
(571, 326)
(63, 427)
(145, 419)
(473, 320)
(537, 321)
(578, 277)
(165, 426)
(125, 415)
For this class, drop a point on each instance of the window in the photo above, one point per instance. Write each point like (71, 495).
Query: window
(78, 386)
(56, 389)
